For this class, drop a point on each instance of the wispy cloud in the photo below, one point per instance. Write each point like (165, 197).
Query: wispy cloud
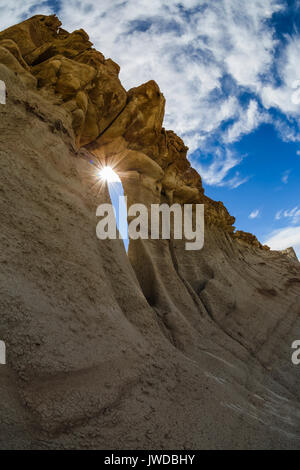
(285, 96)
(293, 214)
(248, 120)
(217, 172)
(285, 176)
(19, 10)
(254, 214)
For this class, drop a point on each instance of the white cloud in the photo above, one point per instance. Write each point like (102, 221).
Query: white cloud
(288, 129)
(217, 172)
(248, 120)
(284, 238)
(18, 10)
(293, 214)
(286, 96)
(254, 214)
(252, 53)
(285, 176)
(236, 181)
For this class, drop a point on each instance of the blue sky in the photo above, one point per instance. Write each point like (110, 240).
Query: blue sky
(230, 72)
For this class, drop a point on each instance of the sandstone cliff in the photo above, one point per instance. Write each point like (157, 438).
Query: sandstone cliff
(164, 348)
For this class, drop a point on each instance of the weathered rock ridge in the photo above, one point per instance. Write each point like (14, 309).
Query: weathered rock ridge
(164, 348)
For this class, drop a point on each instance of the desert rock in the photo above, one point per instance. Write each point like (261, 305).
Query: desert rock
(163, 348)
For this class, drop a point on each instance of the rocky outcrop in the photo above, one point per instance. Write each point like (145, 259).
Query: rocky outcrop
(72, 74)
(249, 239)
(165, 348)
(68, 70)
(290, 252)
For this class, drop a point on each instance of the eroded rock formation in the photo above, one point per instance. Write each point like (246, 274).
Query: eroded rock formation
(164, 348)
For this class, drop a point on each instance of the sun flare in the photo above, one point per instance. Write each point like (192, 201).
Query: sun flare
(109, 175)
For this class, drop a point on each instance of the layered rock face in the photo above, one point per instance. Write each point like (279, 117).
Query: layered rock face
(163, 348)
